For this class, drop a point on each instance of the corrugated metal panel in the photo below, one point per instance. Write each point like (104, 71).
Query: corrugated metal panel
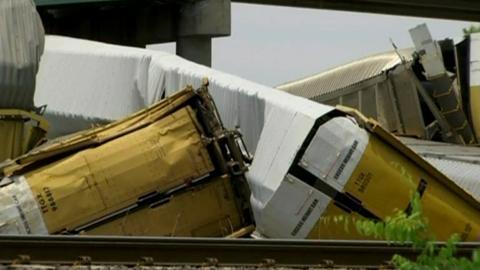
(83, 80)
(460, 163)
(391, 98)
(346, 75)
(454, 151)
(21, 46)
(406, 99)
(466, 175)
(85, 83)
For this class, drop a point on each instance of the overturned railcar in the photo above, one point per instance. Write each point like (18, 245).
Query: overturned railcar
(171, 169)
(427, 92)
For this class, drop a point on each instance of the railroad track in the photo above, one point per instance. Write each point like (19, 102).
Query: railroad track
(131, 251)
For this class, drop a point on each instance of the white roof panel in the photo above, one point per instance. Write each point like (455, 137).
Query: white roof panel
(459, 163)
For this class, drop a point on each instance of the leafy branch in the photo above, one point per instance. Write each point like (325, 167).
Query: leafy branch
(470, 30)
(411, 229)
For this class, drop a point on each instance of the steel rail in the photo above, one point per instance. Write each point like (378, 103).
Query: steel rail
(197, 251)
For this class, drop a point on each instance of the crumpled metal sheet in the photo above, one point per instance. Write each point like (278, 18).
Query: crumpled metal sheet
(21, 46)
(85, 82)
(155, 150)
(460, 163)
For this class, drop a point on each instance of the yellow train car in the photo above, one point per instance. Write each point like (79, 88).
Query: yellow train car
(175, 149)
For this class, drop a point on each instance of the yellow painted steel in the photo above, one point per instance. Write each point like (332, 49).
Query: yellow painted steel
(100, 180)
(475, 109)
(97, 136)
(11, 139)
(208, 210)
(80, 181)
(20, 131)
(41, 122)
(384, 180)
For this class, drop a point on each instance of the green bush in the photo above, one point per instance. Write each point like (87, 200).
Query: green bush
(472, 29)
(412, 229)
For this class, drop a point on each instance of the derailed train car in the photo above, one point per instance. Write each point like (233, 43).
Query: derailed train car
(427, 92)
(171, 169)
(330, 163)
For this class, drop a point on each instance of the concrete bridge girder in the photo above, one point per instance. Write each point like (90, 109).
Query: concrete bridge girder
(193, 23)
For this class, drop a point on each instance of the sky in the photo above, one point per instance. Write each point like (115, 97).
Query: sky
(273, 45)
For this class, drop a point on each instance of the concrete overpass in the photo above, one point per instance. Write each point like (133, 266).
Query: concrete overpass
(192, 23)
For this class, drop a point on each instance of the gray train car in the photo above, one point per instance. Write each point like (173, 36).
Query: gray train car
(379, 86)
(411, 92)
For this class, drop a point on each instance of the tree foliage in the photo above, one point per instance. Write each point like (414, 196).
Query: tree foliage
(470, 30)
(412, 229)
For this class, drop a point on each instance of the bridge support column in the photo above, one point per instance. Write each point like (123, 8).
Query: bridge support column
(199, 22)
(196, 48)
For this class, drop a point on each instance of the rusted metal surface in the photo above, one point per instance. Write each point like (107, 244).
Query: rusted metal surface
(67, 250)
(186, 267)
